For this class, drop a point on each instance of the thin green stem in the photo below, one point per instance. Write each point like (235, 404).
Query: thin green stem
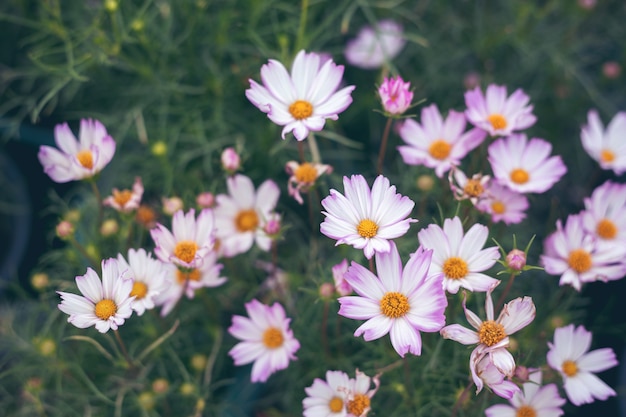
(80, 248)
(130, 362)
(302, 27)
(96, 191)
(459, 401)
(383, 146)
(505, 292)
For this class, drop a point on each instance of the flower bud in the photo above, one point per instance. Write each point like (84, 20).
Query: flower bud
(160, 385)
(327, 290)
(146, 400)
(64, 229)
(159, 148)
(109, 227)
(395, 95)
(230, 160)
(198, 362)
(205, 200)
(611, 70)
(39, 281)
(172, 205)
(522, 373)
(425, 182)
(272, 227)
(516, 260)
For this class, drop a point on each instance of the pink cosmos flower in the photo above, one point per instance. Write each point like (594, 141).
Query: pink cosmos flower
(578, 257)
(496, 113)
(266, 340)
(395, 95)
(460, 256)
(303, 100)
(366, 219)
(525, 166)
(360, 394)
(341, 285)
(607, 147)
(503, 204)
(488, 374)
(149, 278)
(126, 201)
(437, 143)
(241, 215)
(464, 188)
(302, 177)
(376, 46)
(570, 356)
(604, 213)
(399, 302)
(104, 304)
(190, 240)
(77, 160)
(327, 398)
(536, 400)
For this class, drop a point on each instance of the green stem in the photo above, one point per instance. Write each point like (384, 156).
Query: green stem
(96, 191)
(84, 252)
(383, 146)
(505, 292)
(302, 27)
(459, 401)
(123, 348)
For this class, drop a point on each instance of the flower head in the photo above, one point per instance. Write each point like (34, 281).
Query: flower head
(149, 278)
(464, 188)
(104, 304)
(569, 355)
(303, 100)
(496, 113)
(360, 394)
(126, 201)
(364, 218)
(230, 160)
(303, 176)
(341, 285)
(488, 374)
(603, 216)
(503, 204)
(77, 159)
(399, 302)
(607, 147)
(395, 95)
(327, 398)
(375, 46)
(266, 338)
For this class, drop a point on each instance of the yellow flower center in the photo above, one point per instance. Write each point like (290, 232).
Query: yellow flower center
(394, 305)
(185, 250)
(579, 260)
(526, 411)
(122, 197)
(606, 229)
(273, 338)
(570, 368)
(246, 220)
(105, 309)
(607, 155)
(473, 188)
(358, 404)
(301, 109)
(335, 404)
(498, 207)
(367, 228)
(455, 268)
(140, 289)
(439, 149)
(182, 277)
(305, 173)
(519, 176)
(490, 333)
(497, 121)
(85, 158)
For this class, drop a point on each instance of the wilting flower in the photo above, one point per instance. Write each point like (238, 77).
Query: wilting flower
(607, 147)
(603, 216)
(303, 100)
(437, 143)
(366, 219)
(496, 113)
(303, 176)
(503, 204)
(241, 215)
(360, 394)
(399, 302)
(376, 46)
(104, 304)
(126, 201)
(342, 286)
(395, 95)
(149, 278)
(525, 166)
(488, 374)
(460, 256)
(327, 398)
(77, 159)
(230, 160)
(570, 356)
(464, 188)
(578, 257)
(190, 240)
(266, 338)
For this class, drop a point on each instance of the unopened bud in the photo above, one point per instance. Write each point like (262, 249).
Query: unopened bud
(272, 227)
(230, 160)
(522, 373)
(159, 148)
(109, 227)
(198, 361)
(160, 385)
(425, 182)
(327, 290)
(516, 260)
(172, 205)
(205, 200)
(64, 229)
(39, 281)
(146, 400)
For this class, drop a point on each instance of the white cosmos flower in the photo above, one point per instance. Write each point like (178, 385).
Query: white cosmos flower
(149, 278)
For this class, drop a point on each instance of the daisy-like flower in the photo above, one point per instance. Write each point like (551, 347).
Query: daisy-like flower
(395, 95)
(399, 302)
(578, 257)
(536, 400)
(464, 188)
(360, 394)
(149, 278)
(341, 285)
(496, 113)
(327, 398)
(525, 166)
(604, 211)
(266, 338)
(375, 46)
(303, 176)
(492, 336)
(241, 215)
(104, 304)
(607, 147)
(503, 204)
(460, 255)
(366, 219)
(488, 374)
(303, 100)
(189, 241)
(77, 159)
(570, 356)
(126, 201)
(438, 143)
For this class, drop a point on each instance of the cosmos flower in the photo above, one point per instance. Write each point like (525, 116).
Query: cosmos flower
(460, 256)
(149, 278)
(126, 201)
(503, 204)
(488, 374)
(399, 302)
(77, 159)
(327, 398)
(104, 304)
(303, 176)
(569, 355)
(607, 147)
(603, 216)
(341, 285)
(464, 188)
(303, 100)
(437, 143)
(360, 394)
(376, 46)
(241, 216)
(496, 113)
(366, 219)
(395, 95)
(266, 340)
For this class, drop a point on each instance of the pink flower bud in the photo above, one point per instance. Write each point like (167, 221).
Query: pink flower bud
(205, 200)
(395, 95)
(522, 373)
(230, 160)
(272, 227)
(341, 285)
(64, 229)
(611, 70)
(516, 260)
(327, 290)
(172, 205)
